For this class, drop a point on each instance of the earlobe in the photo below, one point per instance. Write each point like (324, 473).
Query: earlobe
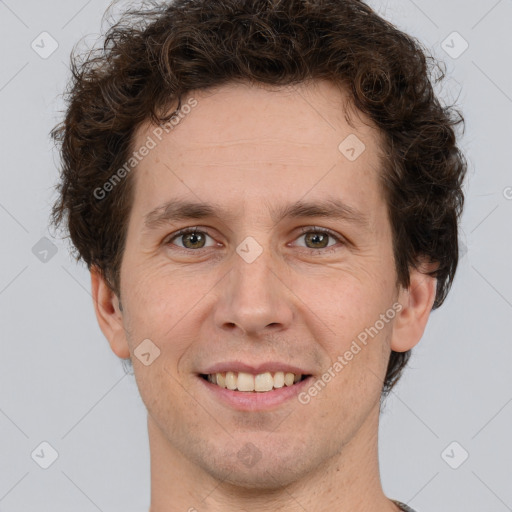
(417, 301)
(109, 314)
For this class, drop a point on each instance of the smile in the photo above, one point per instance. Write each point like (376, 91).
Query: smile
(247, 382)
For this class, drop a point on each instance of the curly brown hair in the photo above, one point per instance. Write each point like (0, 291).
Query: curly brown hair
(152, 57)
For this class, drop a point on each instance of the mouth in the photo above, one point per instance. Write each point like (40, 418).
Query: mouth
(254, 383)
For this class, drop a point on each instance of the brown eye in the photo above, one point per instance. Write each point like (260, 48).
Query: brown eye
(317, 239)
(191, 238)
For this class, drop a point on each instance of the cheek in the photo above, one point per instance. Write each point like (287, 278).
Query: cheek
(345, 314)
(343, 301)
(162, 395)
(158, 292)
(159, 305)
(354, 378)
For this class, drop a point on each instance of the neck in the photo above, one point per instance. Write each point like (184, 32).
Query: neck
(348, 481)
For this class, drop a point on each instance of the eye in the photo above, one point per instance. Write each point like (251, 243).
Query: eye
(191, 238)
(318, 238)
(315, 238)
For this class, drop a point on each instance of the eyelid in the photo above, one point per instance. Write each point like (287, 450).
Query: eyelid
(318, 229)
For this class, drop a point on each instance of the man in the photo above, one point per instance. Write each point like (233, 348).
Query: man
(267, 196)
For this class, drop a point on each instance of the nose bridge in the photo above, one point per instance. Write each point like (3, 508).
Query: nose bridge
(253, 297)
(252, 271)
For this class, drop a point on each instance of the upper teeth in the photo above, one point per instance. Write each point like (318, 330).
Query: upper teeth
(242, 381)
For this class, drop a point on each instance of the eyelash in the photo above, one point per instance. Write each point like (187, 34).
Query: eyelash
(304, 231)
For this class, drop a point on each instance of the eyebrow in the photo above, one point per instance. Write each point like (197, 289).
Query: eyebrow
(179, 210)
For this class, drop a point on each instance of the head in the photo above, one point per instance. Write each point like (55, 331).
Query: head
(252, 106)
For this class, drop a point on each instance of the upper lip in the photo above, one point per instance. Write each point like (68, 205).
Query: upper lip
(255, 369)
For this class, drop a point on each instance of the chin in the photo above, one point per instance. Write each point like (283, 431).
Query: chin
(249, 468)
(262, 479)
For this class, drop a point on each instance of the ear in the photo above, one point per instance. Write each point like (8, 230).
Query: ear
(417, 301)
(108, 314)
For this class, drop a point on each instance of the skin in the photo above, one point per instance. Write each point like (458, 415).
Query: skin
(249, 149)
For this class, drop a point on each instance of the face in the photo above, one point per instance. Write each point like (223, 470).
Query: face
(290, 262)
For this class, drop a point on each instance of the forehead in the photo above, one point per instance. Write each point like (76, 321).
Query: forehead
(302, 113)
(239, 142)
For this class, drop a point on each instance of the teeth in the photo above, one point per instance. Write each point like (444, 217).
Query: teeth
(279, 379)
(245, 382)
(221, 380)
(231, 380)
(262, 382)
(288, 379)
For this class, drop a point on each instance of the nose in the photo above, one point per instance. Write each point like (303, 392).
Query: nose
(254, 298)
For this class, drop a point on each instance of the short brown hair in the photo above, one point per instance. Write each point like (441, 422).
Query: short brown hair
(152, 58)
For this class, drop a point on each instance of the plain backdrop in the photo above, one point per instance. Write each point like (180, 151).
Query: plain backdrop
(445, 440)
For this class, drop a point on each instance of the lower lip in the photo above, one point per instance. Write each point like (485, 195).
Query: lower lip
(256, 401)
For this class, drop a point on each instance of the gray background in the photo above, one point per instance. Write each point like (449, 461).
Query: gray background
(60, 383)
